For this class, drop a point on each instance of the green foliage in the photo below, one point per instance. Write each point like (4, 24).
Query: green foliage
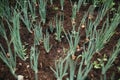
(34, 1)
(8, 57)
(34, 55)
(112, 58)
(32, 8)
(5, 9)
(72, 65)
(60, 70)
(59, 27)
(51, 27)
(79, 5)
(38, 35)
(25, 17)
(100, 62)
(82, 72)
(2, 31)
(74, 12)
(46, 42)
(15, 36)
(42, 10)
(79, 68)
(89, 52)
(103, 35)
(73, 40)
(62, 4)
(89, 26)
(98, 2)
(102, 12)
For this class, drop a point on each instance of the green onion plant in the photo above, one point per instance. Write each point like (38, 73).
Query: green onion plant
(15, 35)
(74, 12)
(84, 18)
(34, 55)
(59, 27)
(62, 4)
(103, 35)
(25, 17)
(38, 35)
(72, 67)
(100, 62)
(89, 52)
(8, 57)
(96, 2)
(34, 1)
(79, 4)
(88, 23)
(82, 73)
(90, 32)
(102, 12)
(112, 58)
(73, 40)
(5, 9)
(32, 8)
(85, 2)
(51, 27)
(71, 2)
(42, 10)
(60, 70)
(21, 3)
(46, 42)
(2, 31)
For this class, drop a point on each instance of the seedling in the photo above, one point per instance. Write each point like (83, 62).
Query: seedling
(34, 1)
(32, 8)
(100, 62)
(112, 58)
(73, 40)
(51, 28)
(60, 70)
(79, 5)
(102, 13)
(25, 18)
(74, 12)
(89, 52)
(9, 58)
(34, 55)
(42, 10)
(46, 42)
(59, 27)
(107, 31)
(38, 35)
(15, 36)
(62, 4)
(5, 9)
(82, 72)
